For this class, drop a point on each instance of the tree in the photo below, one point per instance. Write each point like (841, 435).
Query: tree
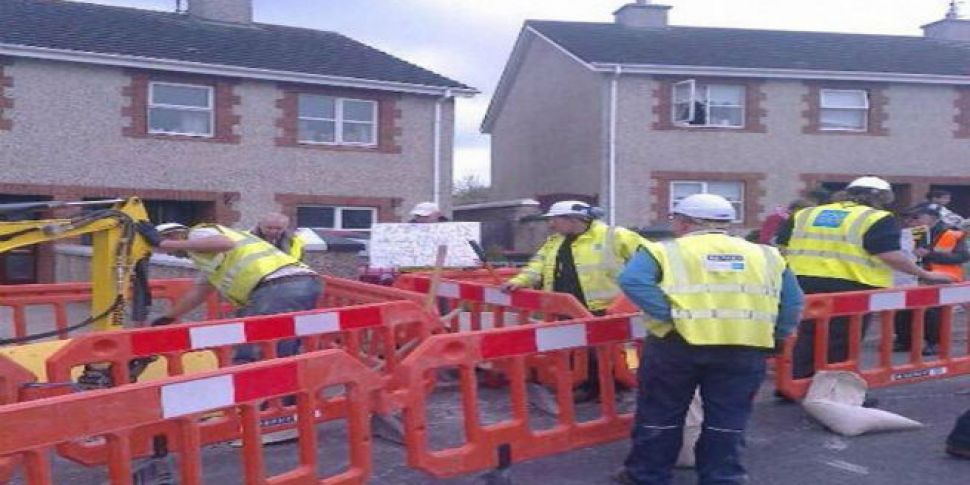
(470, 190)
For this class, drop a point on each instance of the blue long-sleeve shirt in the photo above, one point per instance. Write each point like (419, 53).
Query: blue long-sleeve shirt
(639, 281)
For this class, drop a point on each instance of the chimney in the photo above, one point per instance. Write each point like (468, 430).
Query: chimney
(642, 14)
(236, 11)
(952, 27)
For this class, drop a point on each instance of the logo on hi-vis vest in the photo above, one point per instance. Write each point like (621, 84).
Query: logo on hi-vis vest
(830, 218)
(724, 262)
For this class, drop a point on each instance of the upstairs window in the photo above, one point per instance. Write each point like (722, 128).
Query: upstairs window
(843, 110)
(708, 105)
(733, 191)
(336, 121)
(336, 217)
(180, 109)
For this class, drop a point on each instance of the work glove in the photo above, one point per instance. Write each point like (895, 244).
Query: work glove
(160, 321)
(148, 231)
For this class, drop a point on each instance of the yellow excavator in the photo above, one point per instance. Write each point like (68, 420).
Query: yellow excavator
(119, 259)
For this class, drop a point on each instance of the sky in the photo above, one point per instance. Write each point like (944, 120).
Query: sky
(470, 40)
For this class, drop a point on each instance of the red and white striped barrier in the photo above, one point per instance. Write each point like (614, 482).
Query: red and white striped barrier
(549, 337)
(200, 395)
(188, 337)
(898, 299)
(524, 299)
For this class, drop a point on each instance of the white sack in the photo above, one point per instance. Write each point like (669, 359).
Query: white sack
(835, 399)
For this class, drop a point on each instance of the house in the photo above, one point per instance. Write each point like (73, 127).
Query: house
(637, 114)
(210, 116)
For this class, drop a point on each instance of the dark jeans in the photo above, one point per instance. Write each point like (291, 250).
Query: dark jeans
(670, 371)
(291, 295)
(931, 326)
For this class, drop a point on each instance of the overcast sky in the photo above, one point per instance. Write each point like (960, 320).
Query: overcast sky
(470, 40)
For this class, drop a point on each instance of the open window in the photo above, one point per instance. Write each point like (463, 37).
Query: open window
(708, 105)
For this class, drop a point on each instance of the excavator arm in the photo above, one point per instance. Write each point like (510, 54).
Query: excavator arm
(116, 248)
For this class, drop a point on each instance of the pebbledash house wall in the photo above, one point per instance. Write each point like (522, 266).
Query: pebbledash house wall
(69, 127)
(546, 139)
(918, 144)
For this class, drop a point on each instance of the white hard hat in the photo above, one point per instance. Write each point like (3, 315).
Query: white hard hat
(870, 182)
(575, 208)
(170, 227)
(706, 206)
(425, 209)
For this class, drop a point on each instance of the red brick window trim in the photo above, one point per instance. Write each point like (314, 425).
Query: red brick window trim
(875, 115)
(384, 206)
(962, 118)
(752, 192)
(6, 102)
(386, 124)
(749, 111)
(221, 102)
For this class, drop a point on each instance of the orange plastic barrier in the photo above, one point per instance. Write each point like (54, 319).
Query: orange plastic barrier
(339, 292)
(510, 348)
(58, 296)
(378, 335)
(176, 405)
(886, 371)
(469, 275)
(13, 378)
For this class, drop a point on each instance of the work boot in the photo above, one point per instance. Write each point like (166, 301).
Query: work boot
(958, 451)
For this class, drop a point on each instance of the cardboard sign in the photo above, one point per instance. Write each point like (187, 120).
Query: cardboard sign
(415, 245)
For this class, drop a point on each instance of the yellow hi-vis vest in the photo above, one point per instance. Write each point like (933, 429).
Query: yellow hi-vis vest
(236, 272)
(826, 242)
(599, 254)
(722, 290)
(296, 247)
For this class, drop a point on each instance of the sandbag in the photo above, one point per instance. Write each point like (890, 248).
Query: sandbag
(835, 399)
(692, 431)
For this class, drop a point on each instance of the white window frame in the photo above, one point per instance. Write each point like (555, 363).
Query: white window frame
(704, 190)
(339, 121)
(338, 216)
(695, 87)
(210, 91)
(865, 109)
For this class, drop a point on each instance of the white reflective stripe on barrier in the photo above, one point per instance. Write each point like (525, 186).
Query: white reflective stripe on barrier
(197, 396)
(449, 290)
(316, 323)
(563, 337)
(495, 296)
(950, 295)
(887, 301)
(216, 335)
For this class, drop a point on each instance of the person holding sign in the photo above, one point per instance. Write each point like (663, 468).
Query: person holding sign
(582, 257)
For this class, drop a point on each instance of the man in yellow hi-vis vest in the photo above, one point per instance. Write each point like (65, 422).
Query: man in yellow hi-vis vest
(718, 305)
(274, 228)
(849, 245)
(582, 257)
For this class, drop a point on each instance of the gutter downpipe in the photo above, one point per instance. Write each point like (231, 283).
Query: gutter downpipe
(436, 191)
(614, 82)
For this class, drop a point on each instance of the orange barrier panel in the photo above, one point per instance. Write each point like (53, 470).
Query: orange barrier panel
(821, 308)
(511, 348)
(13, 378)
(339, 292)
(375, 334)
(58, 296)
(176, 405)
(476, 275)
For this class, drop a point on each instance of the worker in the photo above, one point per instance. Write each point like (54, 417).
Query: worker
(274, 228)
(719, 307)
(582, 257)
(942, 249)
(425, 212)
(849, 245)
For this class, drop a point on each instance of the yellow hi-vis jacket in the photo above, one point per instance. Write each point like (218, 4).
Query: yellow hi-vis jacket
(296, 243)
(599, 254)
(236, 272)
(827, 242)
(723, 290)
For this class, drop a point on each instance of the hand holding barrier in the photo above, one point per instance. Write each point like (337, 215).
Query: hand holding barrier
(854, 306)
(175, 406)
(511, 347)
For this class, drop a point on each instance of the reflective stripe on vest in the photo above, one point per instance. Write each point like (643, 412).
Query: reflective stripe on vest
(236, 272)
(722, 290)
(828, 241)
(946, 243)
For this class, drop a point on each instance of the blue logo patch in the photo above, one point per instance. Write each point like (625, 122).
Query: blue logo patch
(830, 218)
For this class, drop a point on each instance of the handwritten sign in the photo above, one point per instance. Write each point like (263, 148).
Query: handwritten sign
(415, 245)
